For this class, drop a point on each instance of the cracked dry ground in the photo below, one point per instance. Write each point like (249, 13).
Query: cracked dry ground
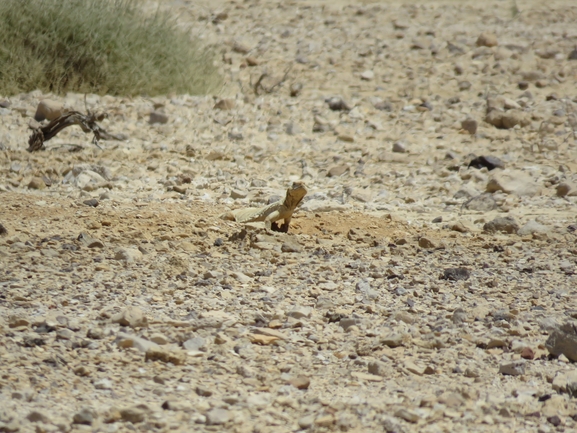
(388, 306)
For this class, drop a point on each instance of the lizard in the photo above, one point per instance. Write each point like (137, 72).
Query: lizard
(279, 210)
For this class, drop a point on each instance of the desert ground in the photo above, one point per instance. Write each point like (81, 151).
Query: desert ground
(427, 281)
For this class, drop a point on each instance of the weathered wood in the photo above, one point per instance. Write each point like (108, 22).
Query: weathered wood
(86, 122)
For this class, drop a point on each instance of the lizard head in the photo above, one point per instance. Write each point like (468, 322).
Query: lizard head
(296, 192)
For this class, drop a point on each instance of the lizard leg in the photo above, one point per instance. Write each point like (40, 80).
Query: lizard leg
(272, 217)
(285, 225)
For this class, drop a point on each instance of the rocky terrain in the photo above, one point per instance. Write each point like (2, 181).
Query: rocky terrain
(427, 283)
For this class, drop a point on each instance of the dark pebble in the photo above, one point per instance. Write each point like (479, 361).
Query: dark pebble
(218, 242)
(456, 274)
(491, 162)
(555, 420)
(92, 202)
(439, 219)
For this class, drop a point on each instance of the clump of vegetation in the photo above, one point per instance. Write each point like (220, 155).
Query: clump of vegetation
(99, 46)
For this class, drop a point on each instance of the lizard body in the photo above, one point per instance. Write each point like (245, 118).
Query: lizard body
(280, 210)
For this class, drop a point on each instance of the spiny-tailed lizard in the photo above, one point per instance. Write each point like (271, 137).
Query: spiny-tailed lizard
(280, 210)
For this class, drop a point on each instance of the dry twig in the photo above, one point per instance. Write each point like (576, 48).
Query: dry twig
(86, 122)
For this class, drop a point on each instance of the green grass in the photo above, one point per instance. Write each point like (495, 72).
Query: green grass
(99, 46)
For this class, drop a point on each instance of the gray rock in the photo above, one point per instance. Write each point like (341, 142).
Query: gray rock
(86, 416)
(502, 224)
(513, 182)
(515, 368)
(38, 416)
(195, 343)
(131, 316)
(469, 125)
(399, 147)
(566, 382)
(481, 203)
(217, 416)
(379, 368)
(563, 341)
(128, 255)
(126, 340)
(133, 414)
(533, 227)
(158, 117)
(300, 312)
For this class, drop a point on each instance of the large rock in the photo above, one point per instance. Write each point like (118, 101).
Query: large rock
(513, 182)
(131, 316)
(502, 224)
(563, 341)
(48, 110)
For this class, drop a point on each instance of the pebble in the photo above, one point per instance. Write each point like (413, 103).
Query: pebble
(157, 117)
(562, 340)
(85, 416)
(470, 125)
(515, 368)
(502, 224)
(131, 316)
(217, 416)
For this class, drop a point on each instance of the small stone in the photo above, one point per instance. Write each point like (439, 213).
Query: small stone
(86, 416)
(131, 316)
(217, 416)
(48, 110)
(515, 368)
(37, 416)
(563, 189)
(300, 382)
(464, 85)
(300, 312)
(225, 104)
(195, 343)
(103, 384)
(16, 321)
(158, 117)
(407, 415)
(481, 203)
(527, 353)
(37, 183)
(338, 171)
(325, 420)
(399, 147)
(291, 247)
(562, 340)
(392, 340)
(533, 227)
(513, 182)
(133, 414)
(572, 55)
(91, 202)
(379, 368)
(159, 339)
(3, 230)
(128, 255)
(163, 355)
(203, 391)
(456, 274)
(489, 162)
(469, 125)
(502, 224)
(252, 61)
(523, 85)
(487, 39)
(296, 89)
(338, 104)
(306, 421)
(427, 243)
(367, 75)
(554, 420)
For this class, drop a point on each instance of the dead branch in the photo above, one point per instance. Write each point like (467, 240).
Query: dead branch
(86, 122)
